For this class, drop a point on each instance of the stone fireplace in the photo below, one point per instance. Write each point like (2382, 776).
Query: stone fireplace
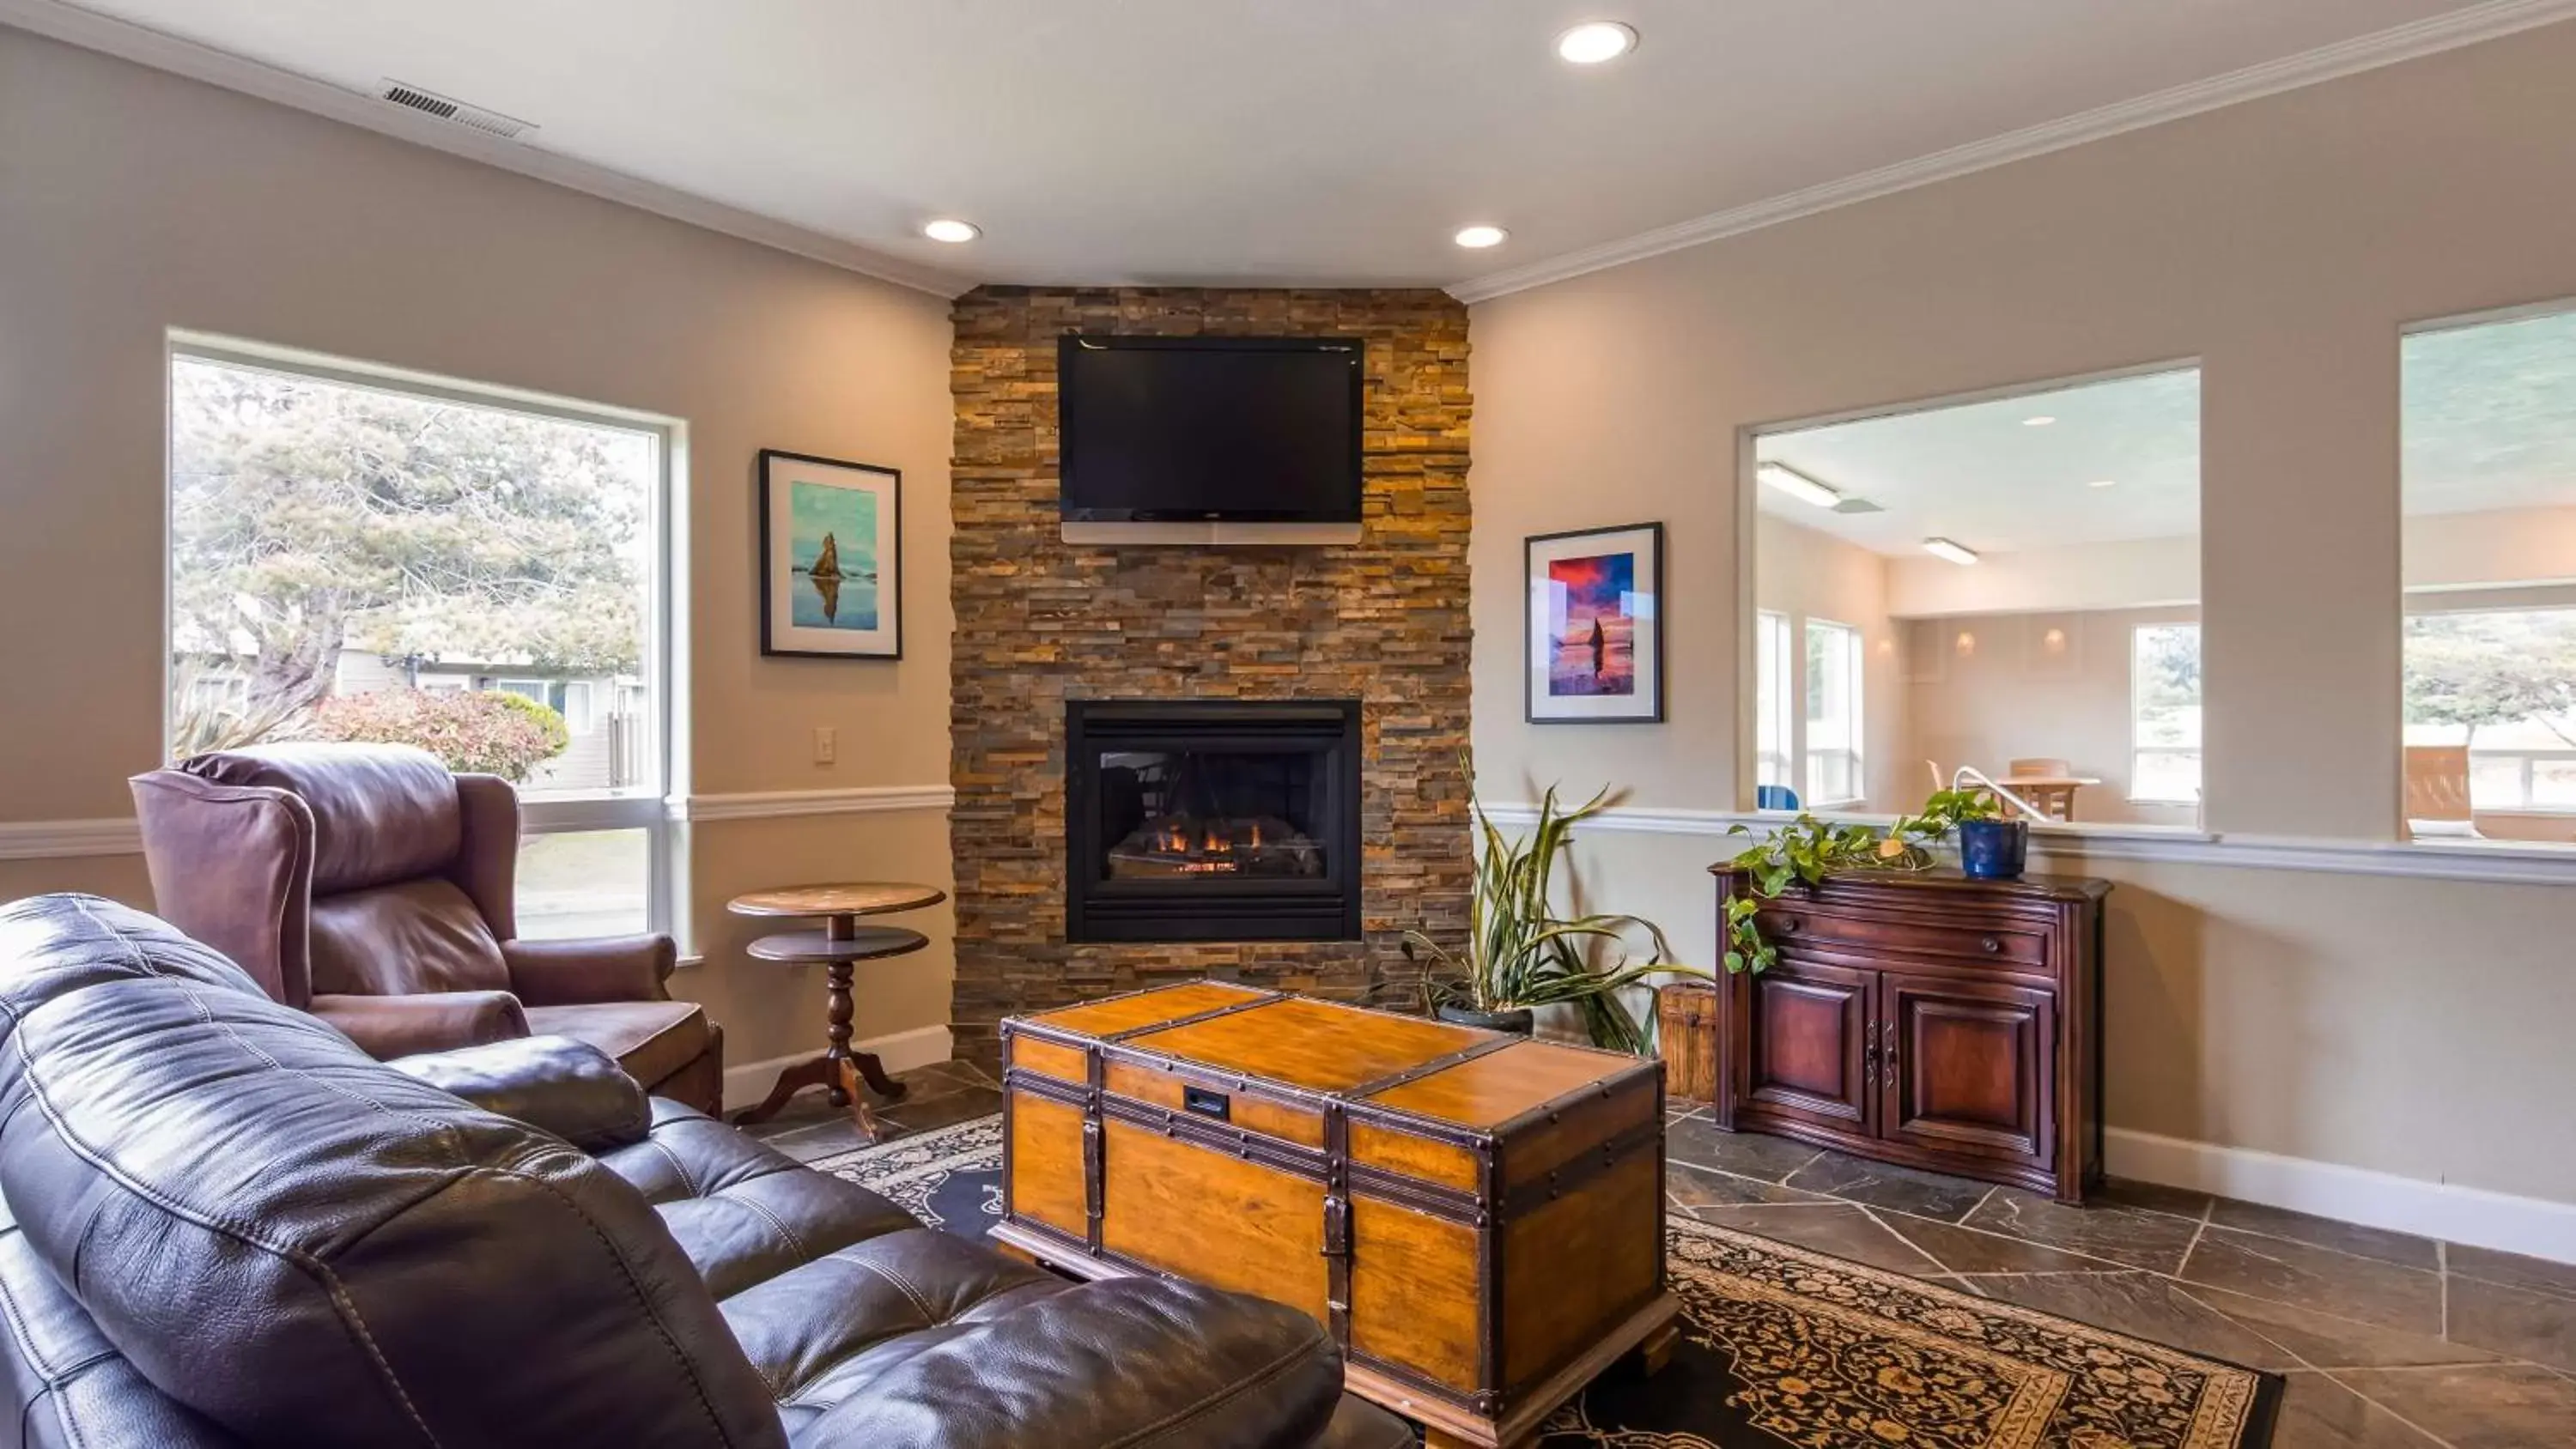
(1054, 906)
(1212, 820)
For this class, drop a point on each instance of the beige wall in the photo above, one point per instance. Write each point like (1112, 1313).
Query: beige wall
(133, 202)
(2007, 694)
(2402, 1025)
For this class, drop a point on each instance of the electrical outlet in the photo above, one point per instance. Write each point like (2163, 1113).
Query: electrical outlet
(827, 744)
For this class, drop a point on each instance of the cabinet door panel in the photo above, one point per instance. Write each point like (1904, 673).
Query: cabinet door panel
(1968, 1066)
(1808, 1023)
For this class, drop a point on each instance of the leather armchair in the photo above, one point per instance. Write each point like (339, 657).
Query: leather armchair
(369, 886)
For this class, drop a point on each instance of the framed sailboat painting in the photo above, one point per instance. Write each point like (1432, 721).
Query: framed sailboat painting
(1595, 626)
(831, 557)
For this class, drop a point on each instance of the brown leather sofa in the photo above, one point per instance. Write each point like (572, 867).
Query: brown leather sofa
(367, 885)
(222, 1225)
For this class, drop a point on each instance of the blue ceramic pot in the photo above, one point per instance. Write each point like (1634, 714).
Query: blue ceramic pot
(1993, 849)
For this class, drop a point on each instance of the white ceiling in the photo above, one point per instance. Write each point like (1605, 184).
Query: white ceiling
(1977, 474)
(1331, 141)
(2488, 420)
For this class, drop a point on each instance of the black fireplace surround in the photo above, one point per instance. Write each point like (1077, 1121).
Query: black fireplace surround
(1212, 820)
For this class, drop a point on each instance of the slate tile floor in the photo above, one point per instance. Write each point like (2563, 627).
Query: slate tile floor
(2387, 1341)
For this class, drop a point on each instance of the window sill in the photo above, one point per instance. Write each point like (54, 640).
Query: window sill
(2077, 845)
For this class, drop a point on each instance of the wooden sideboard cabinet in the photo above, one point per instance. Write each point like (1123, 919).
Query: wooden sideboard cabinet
(1927, 1020)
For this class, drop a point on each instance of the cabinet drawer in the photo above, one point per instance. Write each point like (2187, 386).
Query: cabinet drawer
(1792, 925)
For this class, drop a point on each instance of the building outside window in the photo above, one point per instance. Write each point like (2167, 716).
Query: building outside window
(1833, 713)
(2164, 713)
(1773, 690)
(364, 556)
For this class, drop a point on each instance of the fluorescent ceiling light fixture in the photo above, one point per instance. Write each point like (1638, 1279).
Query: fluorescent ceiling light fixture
(1944, 548)
(1797, 485)
(2043, 420)
(1481, 236)
(950, 229)
(2103, 483)
(1595, 41)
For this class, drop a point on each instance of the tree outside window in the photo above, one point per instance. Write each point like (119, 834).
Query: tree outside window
(2165, 709)
(354, 559)
(334, 543)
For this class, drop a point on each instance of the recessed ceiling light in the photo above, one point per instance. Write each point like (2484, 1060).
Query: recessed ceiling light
(2043, 420)
(1594, 42)
(1798, 485)
(949, 229)
(2103, 483)
(1944, 548)
(1481, 237)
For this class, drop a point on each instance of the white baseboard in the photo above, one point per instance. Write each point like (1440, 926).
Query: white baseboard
(2536, 1226)
(901, 1051)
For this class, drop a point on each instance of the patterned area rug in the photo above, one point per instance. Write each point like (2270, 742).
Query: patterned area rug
(1787, 1347)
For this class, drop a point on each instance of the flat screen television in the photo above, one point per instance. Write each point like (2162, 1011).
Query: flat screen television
(1224, 429)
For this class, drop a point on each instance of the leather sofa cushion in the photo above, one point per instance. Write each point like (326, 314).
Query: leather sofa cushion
(870, 1329)
(569, 1088)
(411, 939)
(741, 1210)
(311, 1248)
(381, 813)
(650, 1039)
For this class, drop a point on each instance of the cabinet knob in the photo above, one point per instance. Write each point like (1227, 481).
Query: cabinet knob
(1993, 945)
(1788, 925)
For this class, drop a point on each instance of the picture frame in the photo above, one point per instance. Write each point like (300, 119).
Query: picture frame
(831, 557)
(1592, 633)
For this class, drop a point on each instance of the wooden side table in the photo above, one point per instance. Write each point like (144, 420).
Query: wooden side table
(839, 947)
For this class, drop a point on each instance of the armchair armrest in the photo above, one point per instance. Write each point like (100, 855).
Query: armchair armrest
(599, 968)
(552, 1083)
(385, 1027)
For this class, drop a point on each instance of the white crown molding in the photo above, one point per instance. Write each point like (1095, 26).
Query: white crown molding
(2427, 1208)
(2487, 21)
(2491, 862)
(63, 839)
(783, 804)
(127, 41)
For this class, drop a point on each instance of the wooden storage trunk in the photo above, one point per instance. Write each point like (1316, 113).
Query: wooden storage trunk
(1477, 1217)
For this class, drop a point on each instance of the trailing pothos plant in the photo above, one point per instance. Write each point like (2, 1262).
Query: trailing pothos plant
(1520, 953)
(1806, 850)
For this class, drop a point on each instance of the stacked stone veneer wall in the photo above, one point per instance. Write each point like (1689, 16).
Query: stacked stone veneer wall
(1040, 621)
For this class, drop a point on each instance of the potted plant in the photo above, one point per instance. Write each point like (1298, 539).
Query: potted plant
(1521, 955)
(1806, 850)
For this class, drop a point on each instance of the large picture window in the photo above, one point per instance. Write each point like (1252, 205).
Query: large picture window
(368, 557)
(2164, 713)
(1833, 713)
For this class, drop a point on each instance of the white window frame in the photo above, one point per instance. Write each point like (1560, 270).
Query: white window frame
(1857, 666)
(1775, 696)
(637, 808)
(2138, 752)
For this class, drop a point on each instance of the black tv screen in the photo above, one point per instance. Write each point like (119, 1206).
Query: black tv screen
(1231, 429)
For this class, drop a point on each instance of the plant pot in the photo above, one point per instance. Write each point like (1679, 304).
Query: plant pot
(1993, 849)
(1515, 1020)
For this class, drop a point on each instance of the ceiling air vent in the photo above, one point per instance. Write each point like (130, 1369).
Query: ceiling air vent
(1857, 505)
(431, 103)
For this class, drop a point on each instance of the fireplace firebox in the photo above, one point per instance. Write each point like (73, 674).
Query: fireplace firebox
(1212, 820)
